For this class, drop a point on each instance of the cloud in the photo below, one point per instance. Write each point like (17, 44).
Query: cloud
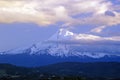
(98, 29)
(42, 12)
(63, 36)
(90, 37)
(46, 12)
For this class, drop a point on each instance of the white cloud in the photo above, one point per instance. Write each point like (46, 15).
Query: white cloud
(96, 38)
(87, 37)
(45, 12)
(98, 29)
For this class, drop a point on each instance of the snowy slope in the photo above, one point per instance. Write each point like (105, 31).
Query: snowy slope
(57, 45)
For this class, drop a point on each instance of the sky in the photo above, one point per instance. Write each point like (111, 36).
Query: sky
(25, 22)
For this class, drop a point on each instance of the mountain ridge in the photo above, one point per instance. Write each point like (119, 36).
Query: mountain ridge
(94, 69)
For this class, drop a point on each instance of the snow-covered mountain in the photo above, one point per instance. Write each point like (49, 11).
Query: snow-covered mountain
(65, 46)
(65, 43)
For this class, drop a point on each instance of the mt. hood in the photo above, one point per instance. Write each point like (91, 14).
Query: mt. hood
(65, 43)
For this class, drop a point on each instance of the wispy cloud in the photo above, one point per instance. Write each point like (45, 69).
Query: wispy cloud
(65, 36)
(103, 13)
(45, 12)
(98, 29)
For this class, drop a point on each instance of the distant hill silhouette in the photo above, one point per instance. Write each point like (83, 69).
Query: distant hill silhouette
(95, 69)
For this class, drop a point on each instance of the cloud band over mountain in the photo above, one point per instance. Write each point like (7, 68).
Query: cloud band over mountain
(64, 36)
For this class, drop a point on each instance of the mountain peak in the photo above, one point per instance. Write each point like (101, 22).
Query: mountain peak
(65, 32)
(62, 34)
